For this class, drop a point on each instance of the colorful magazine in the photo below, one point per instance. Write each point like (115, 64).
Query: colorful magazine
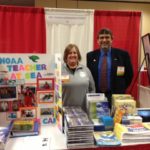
(106, 138)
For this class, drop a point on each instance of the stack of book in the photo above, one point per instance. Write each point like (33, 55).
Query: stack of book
(133, 134)
(4, 135)
(78, 128)
(25, 128)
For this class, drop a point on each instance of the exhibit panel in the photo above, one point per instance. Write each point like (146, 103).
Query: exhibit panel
(144, 95)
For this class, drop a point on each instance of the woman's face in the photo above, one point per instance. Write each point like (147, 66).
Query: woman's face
(72, 57)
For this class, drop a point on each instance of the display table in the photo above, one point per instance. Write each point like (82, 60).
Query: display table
(57, 141)
(131, 147)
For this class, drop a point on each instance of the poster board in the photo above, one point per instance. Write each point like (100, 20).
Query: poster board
(146, 47)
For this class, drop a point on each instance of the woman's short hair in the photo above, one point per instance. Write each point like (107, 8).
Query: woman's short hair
(68, 49)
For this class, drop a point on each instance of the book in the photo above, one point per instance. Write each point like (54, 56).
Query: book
(129, 105)
(78, 121)
(25, 128)
(98, 125)
(118, 115)
(97, 105)
(4, 135)
(73, 110)
(134, 133)
(131, 119)
(3, 132)
(120, 97)
(23, 125)
(106, 138)
(76, 117)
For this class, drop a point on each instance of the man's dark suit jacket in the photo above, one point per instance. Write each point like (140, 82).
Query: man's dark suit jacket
(120, 58)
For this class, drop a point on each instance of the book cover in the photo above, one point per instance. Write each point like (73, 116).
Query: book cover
(73, 111)
(78, 121)
(97, 105)
(128, 105)
(118, 115)
(76, 117)
(35, 130)
(121, 97)
(106, 138)
(23, 125)
(98, 109)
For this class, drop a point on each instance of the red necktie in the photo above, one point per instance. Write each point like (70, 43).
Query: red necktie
(103, 74)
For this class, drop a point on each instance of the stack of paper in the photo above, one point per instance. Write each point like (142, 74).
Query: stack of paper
(133, 134)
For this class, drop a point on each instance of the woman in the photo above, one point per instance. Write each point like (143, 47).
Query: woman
(79, 79)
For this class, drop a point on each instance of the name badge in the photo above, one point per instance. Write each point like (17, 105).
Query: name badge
(120, 70)
(65, 78)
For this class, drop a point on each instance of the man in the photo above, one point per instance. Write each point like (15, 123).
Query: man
(119, 72)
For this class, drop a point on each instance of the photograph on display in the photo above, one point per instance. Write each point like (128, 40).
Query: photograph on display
(28, 112)
(4, 81)
(4, 106)
(45, 84)
(16, 82)
(32, 87)
(27, 96)
(45, 97)
(8, 92)
(11, 115)
(47, 111)
(15, 105)
(47, 116)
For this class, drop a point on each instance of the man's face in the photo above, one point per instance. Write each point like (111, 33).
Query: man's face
(104, 41)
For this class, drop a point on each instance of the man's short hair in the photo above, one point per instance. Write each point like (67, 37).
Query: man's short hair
(105, 31)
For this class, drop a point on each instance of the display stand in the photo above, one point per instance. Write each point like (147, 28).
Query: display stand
(144, 92)
(139, 70)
